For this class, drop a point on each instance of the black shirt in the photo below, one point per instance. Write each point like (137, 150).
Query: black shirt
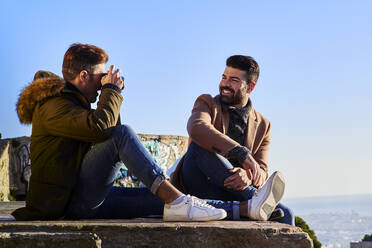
(237, 131)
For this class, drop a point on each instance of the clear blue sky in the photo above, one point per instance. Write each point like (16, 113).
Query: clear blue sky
(315, 82)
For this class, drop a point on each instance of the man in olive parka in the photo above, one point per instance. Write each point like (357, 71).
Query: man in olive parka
(74, 149)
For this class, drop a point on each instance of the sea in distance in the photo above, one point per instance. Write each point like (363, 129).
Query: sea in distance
(336, 220)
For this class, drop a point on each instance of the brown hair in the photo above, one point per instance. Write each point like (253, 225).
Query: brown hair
(82, 57)
(247, 64)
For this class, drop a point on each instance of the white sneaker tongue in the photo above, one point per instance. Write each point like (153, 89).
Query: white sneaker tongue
(178, 200)
(191, 209)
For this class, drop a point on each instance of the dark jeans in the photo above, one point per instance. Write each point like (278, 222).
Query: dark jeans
(96, 198)
(203, 175)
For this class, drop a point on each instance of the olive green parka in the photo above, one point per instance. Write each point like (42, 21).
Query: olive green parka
(63, 128)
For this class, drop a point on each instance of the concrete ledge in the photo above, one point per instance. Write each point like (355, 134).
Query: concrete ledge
(145, 232)
(155, 233)
(49, 239)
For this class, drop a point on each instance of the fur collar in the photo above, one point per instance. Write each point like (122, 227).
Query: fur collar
(45, 84)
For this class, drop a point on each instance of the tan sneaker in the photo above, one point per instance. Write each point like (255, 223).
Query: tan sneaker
(192, 209)
(267, 197)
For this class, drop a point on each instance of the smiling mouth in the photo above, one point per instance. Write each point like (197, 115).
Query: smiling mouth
(226, 91)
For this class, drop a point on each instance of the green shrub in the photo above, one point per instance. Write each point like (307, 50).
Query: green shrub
(367, 237)
(305, 227)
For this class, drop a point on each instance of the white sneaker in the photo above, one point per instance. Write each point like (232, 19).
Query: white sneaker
(266, 198)
(192, 209)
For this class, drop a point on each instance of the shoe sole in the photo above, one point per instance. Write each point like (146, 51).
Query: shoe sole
(275, 194)
(207, 218)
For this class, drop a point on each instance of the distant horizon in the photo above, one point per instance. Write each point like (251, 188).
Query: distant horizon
(348, 204)
(327, 196)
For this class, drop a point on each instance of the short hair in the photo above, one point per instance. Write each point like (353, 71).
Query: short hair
(82, 57)
(247, 64)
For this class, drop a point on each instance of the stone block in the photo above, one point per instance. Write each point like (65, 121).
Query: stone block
(156, 233)
(32, 239)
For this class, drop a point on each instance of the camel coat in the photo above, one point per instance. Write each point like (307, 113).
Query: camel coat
(207, 127)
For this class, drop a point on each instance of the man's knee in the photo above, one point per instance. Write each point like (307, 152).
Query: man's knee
(120, 134)
(122, 130)
(199, 152)
(125, 128)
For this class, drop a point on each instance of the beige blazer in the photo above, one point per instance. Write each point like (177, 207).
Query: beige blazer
(207, 127)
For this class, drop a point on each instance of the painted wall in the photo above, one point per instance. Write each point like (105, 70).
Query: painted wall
(15, 170)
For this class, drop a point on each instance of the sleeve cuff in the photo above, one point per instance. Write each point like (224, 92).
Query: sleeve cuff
(111, 86)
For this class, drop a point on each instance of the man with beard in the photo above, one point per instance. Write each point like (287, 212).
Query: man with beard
(228, 153)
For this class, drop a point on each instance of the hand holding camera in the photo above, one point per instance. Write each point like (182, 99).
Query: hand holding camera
(113, 77)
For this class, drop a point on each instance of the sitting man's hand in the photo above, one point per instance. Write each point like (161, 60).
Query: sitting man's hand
(258, 174)
(239, 180)
(261, 179)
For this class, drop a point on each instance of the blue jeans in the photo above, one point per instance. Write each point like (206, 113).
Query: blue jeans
(204, 173)
(95, 197)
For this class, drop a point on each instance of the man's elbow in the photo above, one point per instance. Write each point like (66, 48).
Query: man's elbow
(193, 129)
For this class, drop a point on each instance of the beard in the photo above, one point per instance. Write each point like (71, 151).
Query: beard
(234, 99)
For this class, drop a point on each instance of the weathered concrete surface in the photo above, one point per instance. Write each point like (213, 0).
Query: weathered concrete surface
(14, 167)
(49, 239)
(4, 171)
(156, 233)
(146, 233)
(7, 207)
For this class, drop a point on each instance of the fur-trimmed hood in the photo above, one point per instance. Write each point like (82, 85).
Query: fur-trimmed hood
(45, 84)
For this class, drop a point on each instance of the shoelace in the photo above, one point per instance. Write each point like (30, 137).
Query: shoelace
(259, 189)
(194, 201)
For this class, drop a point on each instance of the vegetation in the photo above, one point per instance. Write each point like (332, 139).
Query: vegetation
(305, 227)
(367, 237)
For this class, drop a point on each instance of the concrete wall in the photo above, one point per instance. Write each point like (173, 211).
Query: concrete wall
(14, 167)
(15, 170)
(4, 172)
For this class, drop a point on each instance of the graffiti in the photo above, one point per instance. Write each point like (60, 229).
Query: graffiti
(164, 149)
(24, 162)
(16, 175)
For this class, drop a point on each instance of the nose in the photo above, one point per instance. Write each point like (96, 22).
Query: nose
(225, 82)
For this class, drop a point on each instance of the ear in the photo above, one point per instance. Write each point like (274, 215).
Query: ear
(84, 76)
(251, 86)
